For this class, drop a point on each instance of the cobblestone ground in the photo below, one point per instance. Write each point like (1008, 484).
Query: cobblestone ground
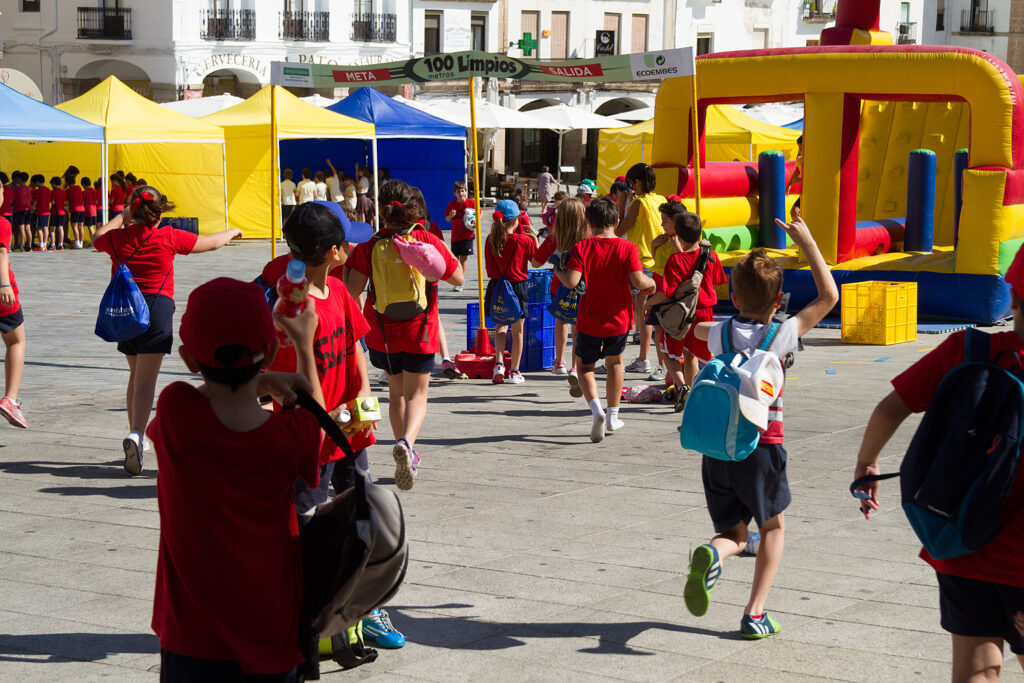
(536, 555)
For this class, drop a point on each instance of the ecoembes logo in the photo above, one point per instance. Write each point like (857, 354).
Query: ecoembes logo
(655, 65)
(654, 61)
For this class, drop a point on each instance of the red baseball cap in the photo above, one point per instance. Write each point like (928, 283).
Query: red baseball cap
(1015, 274)
(224, 312)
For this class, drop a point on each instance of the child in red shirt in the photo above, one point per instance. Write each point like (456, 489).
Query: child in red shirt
(507, 256)
(12, 331)
(136, 239)
(7, 206)
(981, 593)
(76, 210)
(22, 210)
(609, 265)
(116, 196)
(462, 237)
(41, 208)
(57, 199)
(91, 197)
(227, 469)
(681, 354)
(404, 349)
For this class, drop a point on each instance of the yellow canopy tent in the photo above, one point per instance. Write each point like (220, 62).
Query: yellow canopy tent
(730, 135)
(252, 129)
(182, 157)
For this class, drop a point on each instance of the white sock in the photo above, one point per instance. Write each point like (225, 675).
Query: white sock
(612, 422)
(446, 359)
(595, 407)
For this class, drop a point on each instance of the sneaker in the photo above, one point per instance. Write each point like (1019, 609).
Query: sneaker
(755, 629)
(378, 631)
(639, 366)
(451, 371)
(575, 390)
(658, 375)
(499, 374)
(35, 247)
(11, 409)
(383, 379)
(132, 446)
(515, 377)
(457, 288)
(406, 463)
(559, 368)
(705, 568)
(680, 398)
(600, 370)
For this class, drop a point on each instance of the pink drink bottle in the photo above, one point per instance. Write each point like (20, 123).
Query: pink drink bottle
(292, 290)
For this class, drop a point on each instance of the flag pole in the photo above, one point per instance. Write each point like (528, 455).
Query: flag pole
(483, 344)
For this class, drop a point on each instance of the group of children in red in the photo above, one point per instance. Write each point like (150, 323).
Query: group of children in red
(64, 212)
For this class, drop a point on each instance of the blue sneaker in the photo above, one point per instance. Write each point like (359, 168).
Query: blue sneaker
(378, 631)
(705, 568)
(754, 629)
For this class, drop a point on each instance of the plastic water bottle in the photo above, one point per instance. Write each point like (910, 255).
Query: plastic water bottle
(292, 290)
(753, 543)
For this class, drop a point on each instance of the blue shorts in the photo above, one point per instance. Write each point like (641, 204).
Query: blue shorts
(20, 217)
(755, 488)
(78, 216)
(57, 220)
(981, 609)
(42, 221)
(9, 323)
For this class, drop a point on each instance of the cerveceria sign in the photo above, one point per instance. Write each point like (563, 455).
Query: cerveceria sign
(458, 65)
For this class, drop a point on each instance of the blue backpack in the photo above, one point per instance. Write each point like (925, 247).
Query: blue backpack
(960, 466)
(712, 421)
(506, 308)
(565, 302)
(124, 313)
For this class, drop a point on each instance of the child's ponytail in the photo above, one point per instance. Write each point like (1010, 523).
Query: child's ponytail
(499, 232)
(146, 204)
(398, 206)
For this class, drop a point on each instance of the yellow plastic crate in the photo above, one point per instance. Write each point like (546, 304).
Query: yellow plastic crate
(879, 313)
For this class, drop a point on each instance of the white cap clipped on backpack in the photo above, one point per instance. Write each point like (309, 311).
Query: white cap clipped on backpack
(761, 380)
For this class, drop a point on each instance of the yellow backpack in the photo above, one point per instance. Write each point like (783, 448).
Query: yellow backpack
(399, 291)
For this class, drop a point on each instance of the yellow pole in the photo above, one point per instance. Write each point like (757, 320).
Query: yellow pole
(476, 196)
(275, 187)
(696, 145)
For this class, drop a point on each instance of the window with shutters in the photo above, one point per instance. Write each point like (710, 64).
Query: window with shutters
(529, 22)
(638, 37)
(613, 22)
(431, 33)
(559, 35)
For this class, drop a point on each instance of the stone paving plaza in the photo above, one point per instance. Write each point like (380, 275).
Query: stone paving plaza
(536, 555)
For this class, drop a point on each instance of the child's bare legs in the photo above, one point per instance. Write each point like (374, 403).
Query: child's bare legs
(517, 344)
(500, 342)
(145, 368)
(92, 232)
(442, 341)
(675, 372)
(690, 367)
(769, 555)
(977, 659)
(613, 389)
(14, 362)
(646, 331)
(561, 340)
(588, 384)
(407, 399)
(60, 236)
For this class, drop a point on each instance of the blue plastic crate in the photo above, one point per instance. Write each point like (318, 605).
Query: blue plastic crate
(538, 335)
(538, 287)
(538, 358)
(473, 322)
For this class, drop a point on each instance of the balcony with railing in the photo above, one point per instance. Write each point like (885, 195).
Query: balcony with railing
(308, 26)
(977, 21)
(105, 23)
(819, 11)
(228, 24)
(906, 33)
(375, 28)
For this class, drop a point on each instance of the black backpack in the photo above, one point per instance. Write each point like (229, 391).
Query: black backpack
(960, 466)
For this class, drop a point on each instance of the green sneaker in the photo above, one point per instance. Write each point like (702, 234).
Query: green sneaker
(755, 629)
(705, 568)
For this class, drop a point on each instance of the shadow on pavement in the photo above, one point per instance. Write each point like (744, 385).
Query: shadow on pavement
(86, 647)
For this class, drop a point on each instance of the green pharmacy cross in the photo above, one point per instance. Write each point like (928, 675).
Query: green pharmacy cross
(527, 44)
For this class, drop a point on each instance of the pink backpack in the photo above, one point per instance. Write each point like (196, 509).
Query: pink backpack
(422, 256)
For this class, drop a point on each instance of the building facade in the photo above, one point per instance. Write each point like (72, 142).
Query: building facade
(993, 26)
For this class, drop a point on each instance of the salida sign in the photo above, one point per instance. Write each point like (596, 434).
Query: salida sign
(459, 65)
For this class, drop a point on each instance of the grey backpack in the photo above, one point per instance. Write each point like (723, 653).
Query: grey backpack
(354, 549)
(677, 315)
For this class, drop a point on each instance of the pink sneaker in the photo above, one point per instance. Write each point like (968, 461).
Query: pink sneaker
(11, 410)
(406, 463)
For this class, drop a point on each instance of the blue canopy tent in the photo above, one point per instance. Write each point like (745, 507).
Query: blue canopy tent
(27, 119)
(423, 150)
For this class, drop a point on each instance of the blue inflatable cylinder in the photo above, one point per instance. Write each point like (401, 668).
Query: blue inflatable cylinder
(771, 181)
(959, 166)
(920, 201)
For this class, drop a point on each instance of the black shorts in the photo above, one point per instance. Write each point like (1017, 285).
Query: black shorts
(981, 609)
(159, 337)
(592, 349)
(20, 217)
(42, 221)
(756, 488)
(57, 220)
(91, 220)
(11, 322)
(78, 216)
(463, 247)
(521, 290)
(402, 361)
(175, 668)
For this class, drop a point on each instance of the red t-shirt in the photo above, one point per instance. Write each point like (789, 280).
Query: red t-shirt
(22, 197)
(679, 268)
(459, 231)
(152, 265)
(5, 242)
(524, 223)
(434, 229)
(1000, 560)
(229, 569)
(92, 200)
(41, 196)
(115, 198)
(606, 309)
(340, 327)
(76, 198)
(514, 262)
(57, 198)
(6, 207)
(418, 335)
